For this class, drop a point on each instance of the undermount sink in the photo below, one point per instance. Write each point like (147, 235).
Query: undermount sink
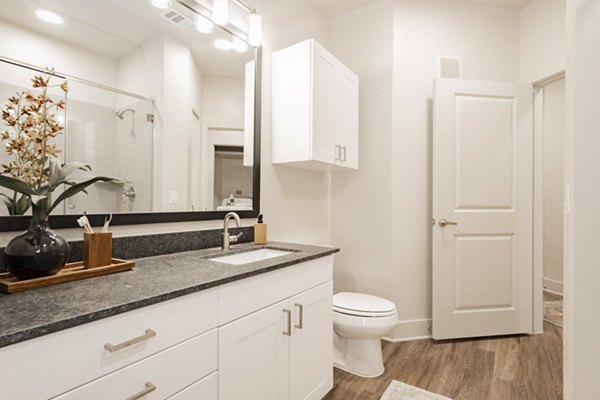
(251, 256)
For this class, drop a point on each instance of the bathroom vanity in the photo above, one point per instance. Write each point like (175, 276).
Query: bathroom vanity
(179, 326)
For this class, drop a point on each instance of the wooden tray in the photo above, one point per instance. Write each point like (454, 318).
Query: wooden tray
(70, 272)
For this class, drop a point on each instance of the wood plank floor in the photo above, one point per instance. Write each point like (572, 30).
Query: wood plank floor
(501, 368)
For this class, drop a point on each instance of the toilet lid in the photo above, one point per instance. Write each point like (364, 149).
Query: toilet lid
(362, 304)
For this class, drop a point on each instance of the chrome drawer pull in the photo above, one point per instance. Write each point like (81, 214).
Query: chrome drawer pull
(288, 331)
(116, 347)
(149, 388)
(300, 316)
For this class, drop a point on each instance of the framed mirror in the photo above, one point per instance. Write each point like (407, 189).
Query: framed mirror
(152, 100)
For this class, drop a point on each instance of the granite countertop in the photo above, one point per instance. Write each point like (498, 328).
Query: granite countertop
(38, 312)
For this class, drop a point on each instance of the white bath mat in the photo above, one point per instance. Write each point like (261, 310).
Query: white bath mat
(401, 391)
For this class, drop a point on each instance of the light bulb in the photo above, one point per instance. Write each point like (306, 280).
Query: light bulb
(254, 30)
(203, 24)
(239, 45)
(220, 12)
(162, 4)
(223, 44)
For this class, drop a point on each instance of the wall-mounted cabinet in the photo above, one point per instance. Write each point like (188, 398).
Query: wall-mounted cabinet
(315, 109)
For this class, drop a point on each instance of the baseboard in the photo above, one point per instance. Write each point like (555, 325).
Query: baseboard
(553, 286)
(410, 330)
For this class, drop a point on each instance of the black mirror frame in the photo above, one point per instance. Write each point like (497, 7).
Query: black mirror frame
(16, 223)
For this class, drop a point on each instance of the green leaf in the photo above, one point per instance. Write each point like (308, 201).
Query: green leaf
(76, 188)
(17, 185)
(59, 173)
(23, 204)
(8, 202)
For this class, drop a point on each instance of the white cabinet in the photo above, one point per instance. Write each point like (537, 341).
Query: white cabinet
(77, 356)
(315, 109)
(311, 372)
(253, 356)
(282, 351)
(264, 337)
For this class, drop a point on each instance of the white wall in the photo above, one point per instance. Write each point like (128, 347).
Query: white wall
(361, 200)
(582, 275)
(381, 215)
(224, 104)
(543, 39)
(295, 202)
(42, 51)
(554, 148)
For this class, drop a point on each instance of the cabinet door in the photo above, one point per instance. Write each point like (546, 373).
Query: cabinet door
(311, 365)
(347, 132)
(325, 119)
(254, 357)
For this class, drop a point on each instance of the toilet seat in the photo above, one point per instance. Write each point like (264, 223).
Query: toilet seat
(362, 305)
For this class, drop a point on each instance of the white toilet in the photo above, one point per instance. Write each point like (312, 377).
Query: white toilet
(359, 322)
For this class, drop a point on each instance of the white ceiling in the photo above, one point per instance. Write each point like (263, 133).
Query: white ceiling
(116, 27)
(335, 8)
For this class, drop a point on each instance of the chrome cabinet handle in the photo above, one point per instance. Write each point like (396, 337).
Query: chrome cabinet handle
(288, 331)
(444, 222)
(148, 389)
(344, 153)
(116, 347)
(300, 316)
(337, 153)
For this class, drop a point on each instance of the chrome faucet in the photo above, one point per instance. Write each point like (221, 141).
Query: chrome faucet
(227, 238)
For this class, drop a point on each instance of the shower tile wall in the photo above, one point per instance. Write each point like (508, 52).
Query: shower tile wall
(96, 137)
(134, 153)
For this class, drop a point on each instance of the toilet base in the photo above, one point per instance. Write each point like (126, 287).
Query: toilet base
(360, 357)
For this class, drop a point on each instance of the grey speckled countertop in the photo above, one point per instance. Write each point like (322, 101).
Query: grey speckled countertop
(38, 312)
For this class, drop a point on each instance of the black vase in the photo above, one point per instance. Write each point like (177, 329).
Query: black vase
(36, 252)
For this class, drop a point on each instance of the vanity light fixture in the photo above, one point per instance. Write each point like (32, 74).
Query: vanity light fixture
(223, 44)
(161, 4)
(49, 16)
(203, 24)
(239, 45)
(220, 12)
(254, 29)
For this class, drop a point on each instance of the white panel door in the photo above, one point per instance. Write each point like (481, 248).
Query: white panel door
(254, 356)
(311, 352)
(482, 181)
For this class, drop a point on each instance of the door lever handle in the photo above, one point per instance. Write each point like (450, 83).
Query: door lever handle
(444, 222)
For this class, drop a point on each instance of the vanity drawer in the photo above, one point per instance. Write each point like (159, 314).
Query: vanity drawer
(160, 375)
(205, 389)
(66, 359)
(245, 296)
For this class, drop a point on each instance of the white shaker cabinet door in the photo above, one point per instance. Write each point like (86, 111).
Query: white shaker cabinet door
(311, 350)
(254, 357)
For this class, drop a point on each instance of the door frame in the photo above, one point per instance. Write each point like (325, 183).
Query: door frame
(538, 196)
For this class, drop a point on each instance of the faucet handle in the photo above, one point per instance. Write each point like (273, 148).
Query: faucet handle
(235, 238)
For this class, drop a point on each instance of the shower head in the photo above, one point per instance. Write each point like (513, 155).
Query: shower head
(122, 111)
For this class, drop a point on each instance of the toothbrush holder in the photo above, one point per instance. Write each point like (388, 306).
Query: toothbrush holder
(97, 249)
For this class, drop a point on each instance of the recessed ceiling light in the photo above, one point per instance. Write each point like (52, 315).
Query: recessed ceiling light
(49, 16)
(162, 4)
(223, 44)
(239, 45)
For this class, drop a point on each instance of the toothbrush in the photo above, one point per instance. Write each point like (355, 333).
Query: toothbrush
(85, 224)
(107, 222)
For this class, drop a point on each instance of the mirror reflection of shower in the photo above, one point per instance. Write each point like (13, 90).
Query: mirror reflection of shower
(121, 115)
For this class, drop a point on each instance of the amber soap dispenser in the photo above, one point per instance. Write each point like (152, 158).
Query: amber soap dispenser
(260, 231)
